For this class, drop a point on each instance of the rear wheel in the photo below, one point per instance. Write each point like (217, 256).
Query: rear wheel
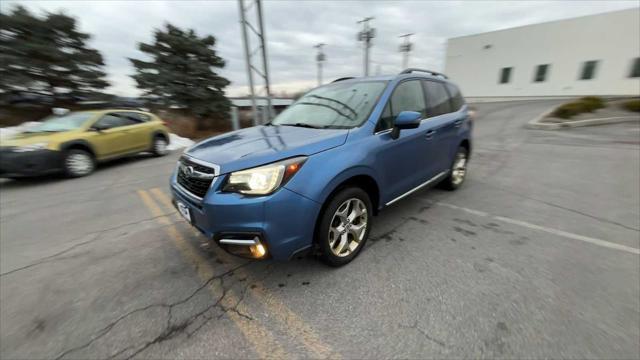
(344, 226)
(458, 171)
(159, 146)
(78, 162)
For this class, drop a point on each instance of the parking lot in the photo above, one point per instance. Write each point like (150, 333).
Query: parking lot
(536, 256)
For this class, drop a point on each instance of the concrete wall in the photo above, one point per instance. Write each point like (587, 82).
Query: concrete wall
(475, 61)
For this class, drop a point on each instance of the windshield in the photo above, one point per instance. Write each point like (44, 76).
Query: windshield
(339, 105)
(66, 122)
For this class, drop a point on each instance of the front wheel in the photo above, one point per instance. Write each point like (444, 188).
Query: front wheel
(458, 171)
(344, 226)
(78, 163)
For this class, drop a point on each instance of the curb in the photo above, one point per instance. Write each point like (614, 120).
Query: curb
(538, 125)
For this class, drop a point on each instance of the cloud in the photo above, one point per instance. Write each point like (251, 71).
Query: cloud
(293, 27)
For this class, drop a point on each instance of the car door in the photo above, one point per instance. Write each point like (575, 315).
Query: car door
(403, 162)
(137, 131)
(443, 122)
(107, 138)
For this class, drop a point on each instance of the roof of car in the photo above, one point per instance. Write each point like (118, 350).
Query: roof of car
(393, 77)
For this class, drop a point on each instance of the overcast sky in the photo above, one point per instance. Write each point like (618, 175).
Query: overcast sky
(293, 27)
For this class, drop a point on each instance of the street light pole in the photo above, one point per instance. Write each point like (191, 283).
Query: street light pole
(366, 35)
(406, 48)
(320, 58)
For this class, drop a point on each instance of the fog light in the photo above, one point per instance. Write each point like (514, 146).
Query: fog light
(257, 250)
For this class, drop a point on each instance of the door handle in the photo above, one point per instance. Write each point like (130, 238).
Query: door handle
(457, 123)
(429, 134)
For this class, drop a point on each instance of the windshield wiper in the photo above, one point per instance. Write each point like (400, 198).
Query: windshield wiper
(303, 125)
(40, 131)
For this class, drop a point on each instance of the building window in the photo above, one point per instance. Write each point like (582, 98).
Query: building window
(635, 68)
(505, 75)
(541, 73)
(588, 70)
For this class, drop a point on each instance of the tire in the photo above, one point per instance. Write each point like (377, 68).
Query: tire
(78, 162)
(159, 146)
(332, 228)
(458, 170)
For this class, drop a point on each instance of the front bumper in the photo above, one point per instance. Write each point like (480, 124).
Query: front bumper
(284, 220)
(30, 163)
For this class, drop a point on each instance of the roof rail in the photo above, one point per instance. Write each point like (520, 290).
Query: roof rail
(410, 70)
(343, 78)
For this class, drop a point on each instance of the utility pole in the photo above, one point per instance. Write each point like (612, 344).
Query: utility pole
(320, 58)
(260, 68)
(405, 48)
(366, 35)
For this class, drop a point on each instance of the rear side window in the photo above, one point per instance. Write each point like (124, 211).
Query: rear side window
(135, 117)
(437, 99)
(407, 96)
(457, 101)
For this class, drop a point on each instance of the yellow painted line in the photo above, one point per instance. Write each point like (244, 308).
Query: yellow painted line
(295, 325)
(260, 338)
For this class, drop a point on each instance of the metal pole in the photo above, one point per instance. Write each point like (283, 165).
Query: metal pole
(263, 42)
(320, 58)
(366, 35)
(247, 56)
(405, 48)
(235, 119)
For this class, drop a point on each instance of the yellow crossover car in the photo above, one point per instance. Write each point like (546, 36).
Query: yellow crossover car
(74, 143)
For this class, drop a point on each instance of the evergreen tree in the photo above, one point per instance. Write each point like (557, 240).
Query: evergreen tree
(181, 73)
(48, 55)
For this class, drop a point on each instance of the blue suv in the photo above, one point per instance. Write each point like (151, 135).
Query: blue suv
(313, 178)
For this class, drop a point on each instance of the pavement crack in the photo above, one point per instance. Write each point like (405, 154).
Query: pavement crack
(424, 333)
(96, 236)
(170, 329)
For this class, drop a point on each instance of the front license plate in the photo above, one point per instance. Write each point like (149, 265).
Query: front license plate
(184, 211)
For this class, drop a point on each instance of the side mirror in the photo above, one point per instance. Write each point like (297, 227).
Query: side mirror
(97, 128)
(405, 120)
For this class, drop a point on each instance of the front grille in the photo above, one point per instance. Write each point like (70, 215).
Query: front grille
(194, 184)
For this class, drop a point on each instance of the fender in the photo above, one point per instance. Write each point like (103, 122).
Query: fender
(80, 142)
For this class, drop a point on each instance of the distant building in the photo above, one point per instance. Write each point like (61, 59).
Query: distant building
(589, 55)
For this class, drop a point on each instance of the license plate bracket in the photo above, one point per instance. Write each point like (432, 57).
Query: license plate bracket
(184, 211)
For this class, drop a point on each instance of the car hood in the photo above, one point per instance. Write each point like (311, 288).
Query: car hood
(24, 138)
(260, 145)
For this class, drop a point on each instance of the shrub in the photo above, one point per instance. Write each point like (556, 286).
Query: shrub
(582, 105)
(632, 105)
(591, 103)
(569, 110)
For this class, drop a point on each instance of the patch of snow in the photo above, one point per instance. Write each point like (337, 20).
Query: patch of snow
(176, 142)
(10, 131)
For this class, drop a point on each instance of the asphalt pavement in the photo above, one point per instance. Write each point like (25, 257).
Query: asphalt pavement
(536, 256)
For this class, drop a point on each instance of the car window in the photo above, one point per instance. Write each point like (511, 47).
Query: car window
(457, 101)
(437, 99)
(338, 105)
(407, 96)
(70, 121)
(113, 120)
(137, 117)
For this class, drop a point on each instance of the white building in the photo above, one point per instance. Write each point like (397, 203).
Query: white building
(590, 55)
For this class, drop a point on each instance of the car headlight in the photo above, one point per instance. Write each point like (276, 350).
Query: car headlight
(264, 180)
(31, 147)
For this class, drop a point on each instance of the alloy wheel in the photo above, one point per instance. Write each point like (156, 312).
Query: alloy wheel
(79, 163)
(459, 168)
(160, 146)
(348, 227)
